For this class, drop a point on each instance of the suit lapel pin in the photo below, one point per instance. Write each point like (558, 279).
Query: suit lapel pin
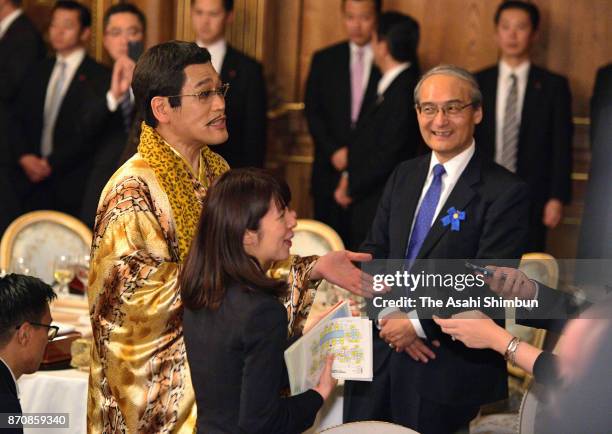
(82, 77)
(232, 73)
(453, 218)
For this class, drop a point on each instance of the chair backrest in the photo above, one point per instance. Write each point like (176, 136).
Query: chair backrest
(543, 268)
(40, 236)
(369, 427)
(314, 238)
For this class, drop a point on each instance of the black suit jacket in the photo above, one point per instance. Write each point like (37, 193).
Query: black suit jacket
(109, 147)
(596, 228)
(21, 48)
(545, 136)
(495, 203)
(328, 112)
(75, 134)
(9, 403)
(237, 368)
(245, 108)
(601, 100)
(387, 134)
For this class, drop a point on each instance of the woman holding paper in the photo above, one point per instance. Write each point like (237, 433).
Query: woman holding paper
(235, 327)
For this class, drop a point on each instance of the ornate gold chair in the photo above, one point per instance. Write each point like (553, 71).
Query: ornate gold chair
(39, 236)
(312, 237)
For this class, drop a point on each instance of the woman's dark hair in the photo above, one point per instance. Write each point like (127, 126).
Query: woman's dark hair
(160, 71)
(235, 204)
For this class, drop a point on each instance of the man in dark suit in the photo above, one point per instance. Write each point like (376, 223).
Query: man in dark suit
(246, 98)
(388, 132)
(601, 100)
(341, 84)
(527, 125)
(20, 48)
(441, 392)
(56, 128)
(24, 332)
(595, 241)
(124, 24)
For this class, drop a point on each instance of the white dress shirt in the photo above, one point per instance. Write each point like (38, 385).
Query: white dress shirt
(368, 57)
(113, 103)
(12, 375)
(73, 61)
(388, 77)
(217, 52)
(453, 170)
(8, 20)
(503, 88)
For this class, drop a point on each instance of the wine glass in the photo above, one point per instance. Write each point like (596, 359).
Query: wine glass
(20, 265)
(63, 272)
(81, 268)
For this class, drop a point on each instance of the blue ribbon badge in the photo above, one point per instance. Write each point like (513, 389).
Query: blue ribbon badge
(453, 218)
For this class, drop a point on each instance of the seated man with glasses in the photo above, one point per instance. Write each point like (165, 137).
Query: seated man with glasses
(422, 378)
(25, 329)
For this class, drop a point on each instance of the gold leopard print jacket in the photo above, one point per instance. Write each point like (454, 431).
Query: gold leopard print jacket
(139, 379)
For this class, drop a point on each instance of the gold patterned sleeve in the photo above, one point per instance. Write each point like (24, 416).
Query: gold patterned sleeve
(139, 380)
(301, 292)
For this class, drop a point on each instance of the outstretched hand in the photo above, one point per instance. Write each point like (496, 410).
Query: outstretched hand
(338, 269)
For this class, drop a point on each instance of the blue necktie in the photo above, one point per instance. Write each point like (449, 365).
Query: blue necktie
(424, 216)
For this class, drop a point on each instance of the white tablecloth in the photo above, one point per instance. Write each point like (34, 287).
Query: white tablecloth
(62, 391)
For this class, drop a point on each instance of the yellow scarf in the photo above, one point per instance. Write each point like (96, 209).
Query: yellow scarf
(185, 192)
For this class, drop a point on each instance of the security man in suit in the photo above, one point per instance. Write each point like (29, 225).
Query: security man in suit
(527, 125)
(55, 129)
(21, 47)
(123, 24)
(423, 379)
(341, 84)
(25, 329)
(245, 101)
(388, 132)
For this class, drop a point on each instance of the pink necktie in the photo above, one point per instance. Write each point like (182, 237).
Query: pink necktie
(356, 85)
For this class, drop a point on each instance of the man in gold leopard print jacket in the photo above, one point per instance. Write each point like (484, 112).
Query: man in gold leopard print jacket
(147, 216)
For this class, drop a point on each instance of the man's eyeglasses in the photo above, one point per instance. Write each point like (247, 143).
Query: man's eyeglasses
(51, 329)
(430, 110)
(206, 95)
